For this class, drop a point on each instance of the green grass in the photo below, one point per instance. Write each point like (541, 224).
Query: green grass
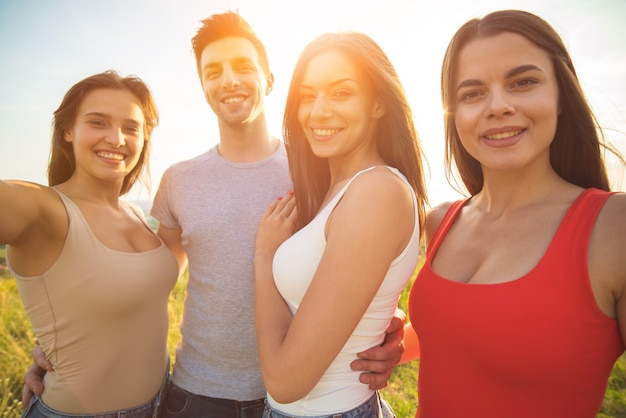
(17, 339)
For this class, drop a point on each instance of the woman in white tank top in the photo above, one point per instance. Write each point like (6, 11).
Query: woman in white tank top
(329, 290)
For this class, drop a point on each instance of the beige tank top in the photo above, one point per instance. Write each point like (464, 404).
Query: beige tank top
(101, 317)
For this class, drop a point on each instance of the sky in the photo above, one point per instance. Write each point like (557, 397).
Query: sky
(48, 45)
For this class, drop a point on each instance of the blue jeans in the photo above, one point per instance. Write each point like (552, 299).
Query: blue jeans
(37, 409)
(178, 403)
(374, 407)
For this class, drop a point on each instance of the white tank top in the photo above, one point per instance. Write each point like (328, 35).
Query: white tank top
(294, 266)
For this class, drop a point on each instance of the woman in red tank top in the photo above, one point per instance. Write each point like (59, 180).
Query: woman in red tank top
(520, 307)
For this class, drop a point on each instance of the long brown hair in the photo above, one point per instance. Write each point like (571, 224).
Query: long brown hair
(62, 161)
(576, 151)
(396, 136)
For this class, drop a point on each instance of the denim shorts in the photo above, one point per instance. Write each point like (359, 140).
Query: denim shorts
(37, 409)
(374, 407)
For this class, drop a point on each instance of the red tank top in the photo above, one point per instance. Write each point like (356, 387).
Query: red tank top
(538, 346)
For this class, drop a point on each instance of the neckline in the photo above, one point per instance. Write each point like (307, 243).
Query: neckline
(126, 207)
(518, 280)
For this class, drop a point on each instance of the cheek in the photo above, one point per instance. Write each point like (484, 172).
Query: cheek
(139, 144)
(303, 115)
(464, 121)
(209, 88)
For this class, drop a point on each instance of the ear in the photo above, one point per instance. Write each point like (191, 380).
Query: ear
(68, 136)
(378, 110)
(269, 78)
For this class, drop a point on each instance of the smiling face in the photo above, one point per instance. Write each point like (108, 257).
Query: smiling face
(337, 108)
(234, 81)
(506, 102)
(108, 135)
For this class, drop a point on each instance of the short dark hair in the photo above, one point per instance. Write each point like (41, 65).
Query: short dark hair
(223, 25)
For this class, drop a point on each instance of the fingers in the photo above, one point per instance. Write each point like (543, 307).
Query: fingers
(285, 206)
(397, 322)
(27, 394)
(375, 381)
(378, 362)
(277, 225)
(282, 207)
(33, 383)
(40, 359)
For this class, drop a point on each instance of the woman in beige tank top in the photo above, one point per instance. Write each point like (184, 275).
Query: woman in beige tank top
(93, 277)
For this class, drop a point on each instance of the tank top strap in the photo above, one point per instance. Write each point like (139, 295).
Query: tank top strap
(333, 202)
(579, 220)
(74, 215)
(444, 226)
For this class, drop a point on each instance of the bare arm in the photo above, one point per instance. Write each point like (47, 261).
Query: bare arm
(33, 223)
(364, 235)
(411, 345)
(607, 260)
(20, 210)
(172, 237)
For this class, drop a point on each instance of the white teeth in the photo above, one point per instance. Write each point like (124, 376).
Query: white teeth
(325, 132)
(111, 156)
(503, 135)
(233, 100)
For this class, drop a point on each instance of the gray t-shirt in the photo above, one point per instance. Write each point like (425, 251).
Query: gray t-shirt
(218, 205)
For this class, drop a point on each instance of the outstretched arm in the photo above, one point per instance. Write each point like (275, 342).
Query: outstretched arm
(19, 211)
(33, 222)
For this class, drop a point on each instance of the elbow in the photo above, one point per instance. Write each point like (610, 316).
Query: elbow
(284, 396)
(286, 390)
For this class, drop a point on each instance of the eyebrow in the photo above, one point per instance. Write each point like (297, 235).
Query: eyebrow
(334, 83)
(511, 73)
(237, 60)
(100, 114)
(107, 116)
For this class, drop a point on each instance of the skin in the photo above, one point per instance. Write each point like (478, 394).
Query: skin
(372, 222)
(505, 229)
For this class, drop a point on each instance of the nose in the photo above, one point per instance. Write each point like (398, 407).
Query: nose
(320, 108)
(230, 80)
(500, 104)
(116, 138)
